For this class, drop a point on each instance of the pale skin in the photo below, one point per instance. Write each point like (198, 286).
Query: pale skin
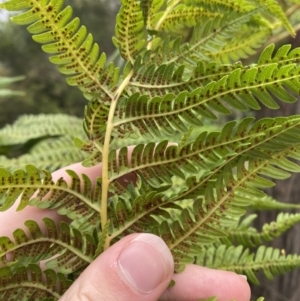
(107, 277)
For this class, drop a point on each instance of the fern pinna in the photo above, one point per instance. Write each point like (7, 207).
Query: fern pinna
(157, 120)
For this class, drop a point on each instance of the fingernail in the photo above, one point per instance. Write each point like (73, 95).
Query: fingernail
(146, 262)
(243, 276)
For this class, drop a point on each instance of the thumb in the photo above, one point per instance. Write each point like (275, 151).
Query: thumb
(138, 267)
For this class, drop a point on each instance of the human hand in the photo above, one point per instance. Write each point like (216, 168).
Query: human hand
(138, 267)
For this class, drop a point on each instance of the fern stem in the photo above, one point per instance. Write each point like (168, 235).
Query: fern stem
(105, 178)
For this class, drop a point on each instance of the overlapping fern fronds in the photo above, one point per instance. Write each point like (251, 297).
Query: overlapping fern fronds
(175, 175)
(271, 261)
(75, 249)
(45, 140)
(32, 283)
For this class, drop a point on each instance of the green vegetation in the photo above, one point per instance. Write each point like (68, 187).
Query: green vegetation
(182, 77)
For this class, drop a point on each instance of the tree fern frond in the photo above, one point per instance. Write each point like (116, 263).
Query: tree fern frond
(274, 9)
(40, 126)
(131, 33)
(75, 249)
(32, 284)
(153, 81)
(213, 87)
(51, 154)
(208, 36)
(179, 179)
(182, 16)
(268, 203)
(242, 46)
(240, 90)
(31, 187)
(72, 48)
(221, 5)
(217, 203)
(132, 214)
(206, 152)
(194, 187)
(250, 237)
(271, 261)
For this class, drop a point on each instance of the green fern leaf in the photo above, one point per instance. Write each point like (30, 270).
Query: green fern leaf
(208, 37)
(41, 126)
(240, 90)
(182, 16)
(275, 10)
(32, 284)
(52, 154)
(222, 5)
(69, 43)
(250, 237)
(242, 46)
(130, 31)
(271, 261)
(177, 79)
(225, 199)
(33, 185)
(223, 86)
(75, 249)
(208, 150)
(268, 203)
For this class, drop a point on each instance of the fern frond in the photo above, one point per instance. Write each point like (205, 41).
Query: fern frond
(32, 284)
(222, 5)
(219, 203)
(210, 149)
(131, 33)
(151, 80)
(268, 203)
(33, 185)
(72, 48)
(51, 154)
(271, 261)
(182, 16)
(158, 163)
(274, 9)
(28, 127)
(216, 206)
(208, 36)
(76, 250)
(240, 90)
(160, 98)
(241, 46)
(250, 237)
